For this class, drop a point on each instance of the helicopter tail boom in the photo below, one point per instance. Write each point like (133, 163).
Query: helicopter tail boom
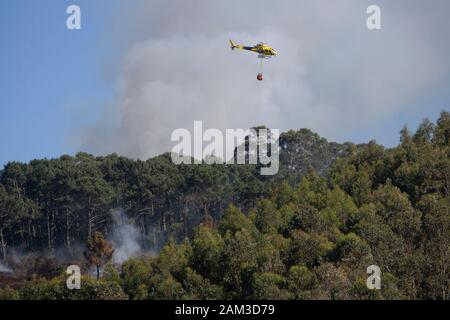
(235, 46)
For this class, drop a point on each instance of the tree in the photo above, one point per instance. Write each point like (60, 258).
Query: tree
(240, 260)
(441, 134)
(207, 253)
(269, 253)
(435, 240)
(301, 282)
(174, 258)
(98, 251)
(197, 287)
(269, 286)
(267, 217)
(135, 276)
(308, 248)
(333, 282)
(5, 220)
(424, 133)
(353, 253)
(163, 286)
(233, 221)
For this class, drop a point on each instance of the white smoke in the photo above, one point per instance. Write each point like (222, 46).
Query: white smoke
(332, 75)
(5, 269)
(125, 238)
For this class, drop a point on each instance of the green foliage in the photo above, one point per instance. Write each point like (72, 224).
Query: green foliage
(352, 252)
(134, 278)
(8, 294)
(163, 286)
(267, 218)
(301, 282)
(233, 221)
(269, 286)
(240, 261)
(174, 258)
(208, 249)
(270, 252)
(198, 288)
(309, 249)
(56, 289)
(223, 232)
(334, 283)
(110, 273)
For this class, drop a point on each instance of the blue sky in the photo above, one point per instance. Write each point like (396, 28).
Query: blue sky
(46, 73)
(55, 83)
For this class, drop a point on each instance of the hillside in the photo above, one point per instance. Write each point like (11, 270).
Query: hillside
(58, 202)
(309, 233)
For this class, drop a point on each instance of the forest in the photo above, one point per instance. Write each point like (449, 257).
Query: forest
(226, 232)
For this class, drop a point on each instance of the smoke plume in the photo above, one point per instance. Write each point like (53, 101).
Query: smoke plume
(5, 269)
(332, 74)
(125, 238)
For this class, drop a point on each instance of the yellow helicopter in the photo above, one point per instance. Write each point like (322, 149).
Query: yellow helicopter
(264, 51)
